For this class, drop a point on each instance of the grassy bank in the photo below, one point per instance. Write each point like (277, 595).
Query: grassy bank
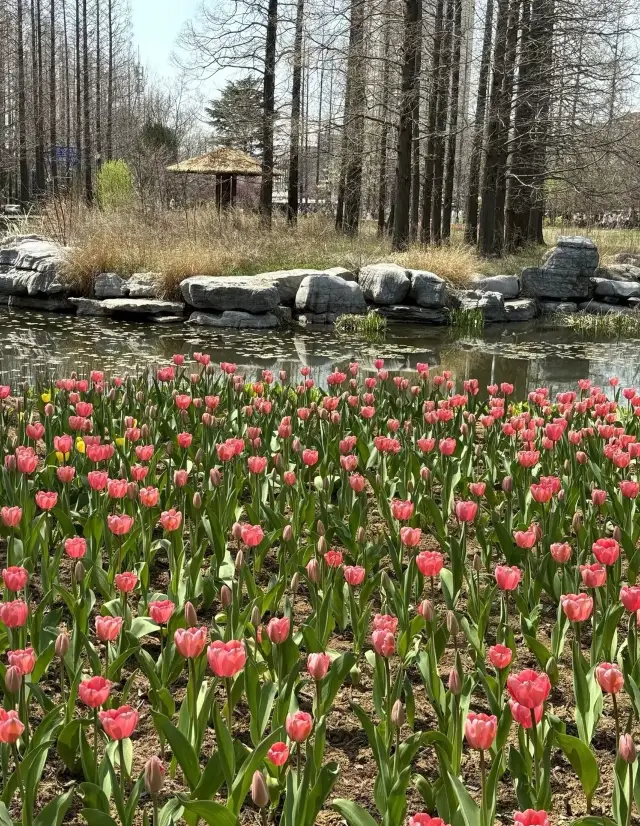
(177, 244)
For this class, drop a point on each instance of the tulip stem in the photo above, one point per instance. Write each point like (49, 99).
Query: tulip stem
(616, 718)
(156, 811)
(483, 780)
(630, 793)
(299, 762)
(227, 683)
(95, 745)
(123, 770)
(26, 816)
(594, 639)
(534, 737)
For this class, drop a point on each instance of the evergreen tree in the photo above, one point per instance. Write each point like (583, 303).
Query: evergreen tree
(237, 115)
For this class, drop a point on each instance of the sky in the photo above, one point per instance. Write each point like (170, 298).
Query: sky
(157, 24)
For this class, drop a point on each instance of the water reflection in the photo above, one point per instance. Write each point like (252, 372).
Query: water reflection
(527, 355)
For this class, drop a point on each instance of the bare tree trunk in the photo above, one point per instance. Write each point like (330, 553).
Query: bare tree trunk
(98, 92)
(319, 132)
(110, 84)
(453, 123)
(427, 186)
(269, 103)
(294, 144)
(22, 112)
(384, 134)
(471, 212)
(53, 139)
(67, 80)
(78, 112)
(86, 115)
(415, 141)
(441, 127)
(490, 176)
(344, 151)
(357, 74)
(409, 93)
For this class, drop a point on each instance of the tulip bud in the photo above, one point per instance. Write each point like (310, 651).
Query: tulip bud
(226, 597)
(507, 484)
(398, 716)
(561, 495)
(567, 466)
(296, 445)
(576, 522)
(255, 616)
(313, 571)
(287, 533)
(199, 456)
(144, 430)
(48, 409)
(551, 669)
(410, 486)
(627, 748)
(295, 582)
(477, 563)
(322, 546)
(259, 791)
(111, 395)
(617, 534)
(215, 476)
(132, 491)
(190, 616)
(184, 415)
(78, 571)
(464, 429)
(324, 414)
(279, 461)
(354, 674)
(471, 419)
(10, 462)
(154, 772)
(62, 644)
(236, 531)
(361, 535)
(168, 449)
(378, 480)
(425, 473)
(455, 686)
(425, 609)
(13, 679)
(239, 560)
(452, 623)
(197, 500)
(479, 451)
(320, 528)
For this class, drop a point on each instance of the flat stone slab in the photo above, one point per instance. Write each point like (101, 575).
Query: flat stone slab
(550, 307)
(251, 295)
(619, 272)
(235, 319)
(109, 285)
(601, 308)
(31, 282)
(427, 289)
(45, 305)
(287, 282)
(491, 304)
(538, 282)
(616, 289)
(414, 315)
(89, 307)
(142, 306)
(33, 253)
(384, 283)
(506, 285)
(320, 294)
(521, 309)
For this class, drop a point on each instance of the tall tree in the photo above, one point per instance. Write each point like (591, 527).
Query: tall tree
(294, 138)
(452, 139)
(439, 148)
(356, 70)
(110, 82)
(427, 185)
(98, 105)
(22, 111)
(236, 116)
(52, 96)
(86, 114)
(269, 105)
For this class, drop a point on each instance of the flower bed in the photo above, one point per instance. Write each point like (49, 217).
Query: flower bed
(230, 602)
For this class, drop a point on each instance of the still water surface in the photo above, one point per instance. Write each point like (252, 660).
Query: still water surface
(527, 355)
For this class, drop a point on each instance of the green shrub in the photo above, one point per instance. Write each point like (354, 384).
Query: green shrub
(115, 186)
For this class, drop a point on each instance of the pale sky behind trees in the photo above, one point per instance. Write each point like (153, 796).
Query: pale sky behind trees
(157, 24)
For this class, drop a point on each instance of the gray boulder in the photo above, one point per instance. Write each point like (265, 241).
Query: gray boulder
(414, 315)
(235, 319)
(602, 308)
(619, 272)
(428, 289)
(44, 304)
(616, 289)
(33, 253)
(143, 285)
(506, 285)
(551, 307)
(142, 306)
(632, 258)
(566, 272)
(109, 285)
(251, 295)
(491, 304)
(30, 282)
(384, 283)
(321, 294)
(521, 309)
(288, 282)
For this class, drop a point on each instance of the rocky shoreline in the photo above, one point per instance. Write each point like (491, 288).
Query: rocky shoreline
(569, 280)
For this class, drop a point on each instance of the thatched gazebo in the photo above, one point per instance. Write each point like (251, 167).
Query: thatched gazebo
(226, 164)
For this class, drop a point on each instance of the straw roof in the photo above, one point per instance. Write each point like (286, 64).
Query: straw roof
(222, 161)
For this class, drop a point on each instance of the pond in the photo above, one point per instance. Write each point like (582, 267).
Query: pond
(528, 355)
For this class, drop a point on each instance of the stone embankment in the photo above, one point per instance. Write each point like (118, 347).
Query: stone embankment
(569, 280)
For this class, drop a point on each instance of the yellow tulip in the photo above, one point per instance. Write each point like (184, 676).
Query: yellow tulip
(120, 441)
(46, 398)
(80, 447)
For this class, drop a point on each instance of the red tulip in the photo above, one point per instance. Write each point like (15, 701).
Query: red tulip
(149, 497)
(500, 656)
(108, 628)
(119, 723)
(278, 754)
(422, 819)
(94, 692)
(98, 479)
(466, 511)
(318, 665)
(46, 500)
(15, 578)
(299, 725)
(257, 464)
(354, 575)
(528, 458)
(522, 715)
(541, 493)
(577, 607)
(357, 482)
(525, 539)
(126, 581)
(66, 474)
(410, 536)
(11, 726)
(606, 550)
(630, 597)
(171, 520)
(598, 497)
(11, 516)
(529, 688)
(75, 547)
(402, 511)
(119, 524)
(226, 659)
(561, 552)
(23, 658)
(480, 730)
(447, 446)
(117, 488)
(477, 488)
(429, 563)
(609, 677)
(14, 614)
(161, 611)
(594, 575)
(278, 629)
(531, 817)
(252, 535)
(333, 558)
(629, 489)
(507, 577)
(190, 642)
(384, 642)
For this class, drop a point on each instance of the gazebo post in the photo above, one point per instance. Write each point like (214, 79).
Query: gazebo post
(234, 188)
(226, 188)
(218, 192)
